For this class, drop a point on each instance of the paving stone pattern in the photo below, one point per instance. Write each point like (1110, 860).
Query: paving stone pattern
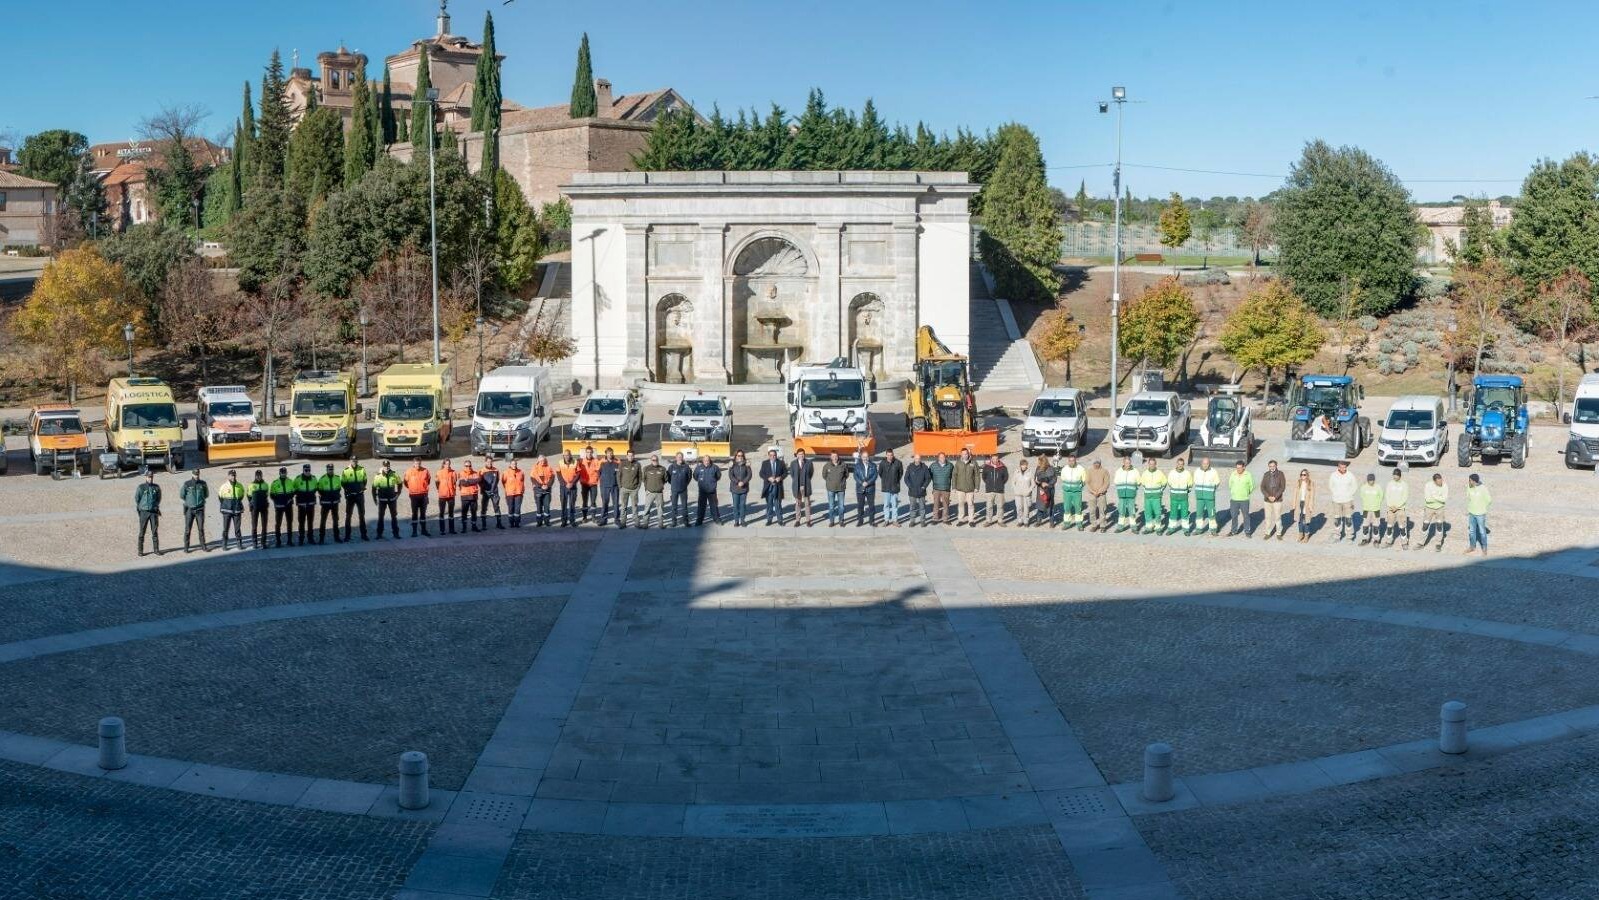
(820, 554)
(198, 585)
(745, 697)
(1019, 863)
(335, 697)
(64, 837)
(1518, 826)
(1231, 689)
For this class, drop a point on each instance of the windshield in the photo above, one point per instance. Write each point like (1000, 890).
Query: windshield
(405, 407)
(231, 408)
(1496, 398)
(58, 425)
(1324, 397)
(939, 374)
(833, 394)
(150, 415)
(319, 403)
(502, 405)
(1146, 407)
(1054, 409)
(1223, 412)
(604, 406)
(700, 408)
(1409, 418)
(1585, 411)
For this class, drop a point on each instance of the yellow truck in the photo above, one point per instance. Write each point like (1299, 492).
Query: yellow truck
(142, 426)
(413, 410)
(941, 407)
(322, 414)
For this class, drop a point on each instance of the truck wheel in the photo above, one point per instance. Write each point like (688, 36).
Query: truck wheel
(1518, 455)
(1352, 442)
(1463, 455)
(919, 424)
(38, 465)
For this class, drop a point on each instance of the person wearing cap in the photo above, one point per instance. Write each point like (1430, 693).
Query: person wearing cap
(305, 501)
(386, 496)
(230, 500)
(1206, 482)
(1126, 495)
(1342, 486)
(1370, 510)
(256, 497)
(328, 491)
(773, 475)
(147, 503)
(281, 491)
(489, 483)
(1477, 502)
(628, 474)
(1395, 507)
(515, 481)
(1434, 496)
(609, 479)
(353, 481)
(1240, 484)
(417, 481)
(192, 495)
(652, 478)
(445, 485)
(470, 486)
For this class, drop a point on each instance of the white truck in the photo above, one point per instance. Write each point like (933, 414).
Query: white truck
(227, 416)
(827, 408)
(1154, 422)
(1057, 422)
(512, 412)
(1415, 431)
(1582, 444)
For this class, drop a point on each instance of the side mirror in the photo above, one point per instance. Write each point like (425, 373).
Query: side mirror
(282, 410)
(369, 414)
(183, 421)
(538, 412)
(1566, 418)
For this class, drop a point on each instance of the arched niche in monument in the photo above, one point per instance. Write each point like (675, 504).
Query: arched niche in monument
(769, 307)
(866, 332)
(674, 339)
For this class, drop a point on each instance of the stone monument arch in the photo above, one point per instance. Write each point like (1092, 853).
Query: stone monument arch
(772, 284)
(866, 332)
(674, 339)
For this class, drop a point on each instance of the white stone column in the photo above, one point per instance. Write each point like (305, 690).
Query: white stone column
(635, 300)
(831, 335)
(712, 362)
(899, 356)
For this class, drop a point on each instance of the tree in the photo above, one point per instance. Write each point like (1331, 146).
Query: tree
(1176, 226)
(267, 237)
(1342, 213)
(422, 124)
(490, 97)
(584, 102)
(1157, 325)
(84, 198)
(361, 145)
(147, 253)
(179, 180)
(194, 315)
(1272, 328)
(1556, 227)
(244, 137)
(316, 155)
(1255, 227)
(1022, 232)
(516, 234)
(1478, 239)
(397, 295)
(271, 145)
(266, 318)
(547, 343)
(75, 315)
(387, 121)
(1481, 295)
(1562, 311)
(1081, 200)
(1062, 337)
(52, 156)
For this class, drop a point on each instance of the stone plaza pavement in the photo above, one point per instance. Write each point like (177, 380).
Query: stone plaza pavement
(763, 712)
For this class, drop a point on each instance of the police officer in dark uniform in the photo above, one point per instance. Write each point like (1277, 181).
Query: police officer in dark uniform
(328, 491)
(353, 480)
(230, 499)
(386, 493)
(305, 501)
(193, 495)
(281, 490)
(255, 497)
(147, 502)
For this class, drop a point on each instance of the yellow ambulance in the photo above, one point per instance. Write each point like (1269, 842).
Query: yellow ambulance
(142, 425)
(413, 410)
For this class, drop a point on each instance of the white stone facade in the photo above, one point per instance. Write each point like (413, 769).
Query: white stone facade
(685, 275)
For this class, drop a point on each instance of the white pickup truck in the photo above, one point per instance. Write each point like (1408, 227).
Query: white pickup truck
(1154, 422)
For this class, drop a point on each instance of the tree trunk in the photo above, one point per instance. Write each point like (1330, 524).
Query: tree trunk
(1265, 397)
(205, 366)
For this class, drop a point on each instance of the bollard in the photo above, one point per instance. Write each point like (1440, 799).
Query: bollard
(113, 743)
(1157, 773)
(413, 779)
(1452, 727)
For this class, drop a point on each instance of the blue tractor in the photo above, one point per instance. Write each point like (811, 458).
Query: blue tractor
(1325, 421)
(1496, 421)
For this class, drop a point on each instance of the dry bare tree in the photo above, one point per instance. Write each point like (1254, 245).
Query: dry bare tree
(194, 312)
(265, 320)
(397, 295)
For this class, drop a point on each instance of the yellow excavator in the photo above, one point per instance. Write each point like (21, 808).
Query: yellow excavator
(941, 407)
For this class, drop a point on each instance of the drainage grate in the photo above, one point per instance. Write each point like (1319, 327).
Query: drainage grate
(1084, 804)
(493, 811)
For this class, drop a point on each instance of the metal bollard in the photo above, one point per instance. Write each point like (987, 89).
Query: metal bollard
(413, 780)
(1452, 727)
(1157, 773)
(113, 743)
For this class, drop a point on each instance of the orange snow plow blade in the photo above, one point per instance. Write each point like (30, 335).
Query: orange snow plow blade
(932, 443)
(241, 451)
(842, 444)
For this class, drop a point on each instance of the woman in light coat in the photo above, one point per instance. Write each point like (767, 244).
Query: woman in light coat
(1021, 487)
(1303, 496)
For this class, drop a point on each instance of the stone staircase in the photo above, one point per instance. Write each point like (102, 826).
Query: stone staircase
(998, 363)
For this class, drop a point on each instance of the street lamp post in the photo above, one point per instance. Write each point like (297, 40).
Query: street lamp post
(479, 326)
(1118, 96)
(433, 212)
(127, 335)
(594, 300)
(364, 320)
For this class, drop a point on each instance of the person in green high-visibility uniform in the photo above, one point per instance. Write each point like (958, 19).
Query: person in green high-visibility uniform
(1126, 482)
(256, 495)
(1153, 481)
(1071, 480)
(1206, 482)
(281, 490)
(230, 499)
(1179, 482)
(353, 481)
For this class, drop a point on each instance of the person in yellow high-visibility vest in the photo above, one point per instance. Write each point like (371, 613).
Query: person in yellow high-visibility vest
(1206, 482)
(1072, 478)
(1126, 482)
(1153, 482)
(1179, 481)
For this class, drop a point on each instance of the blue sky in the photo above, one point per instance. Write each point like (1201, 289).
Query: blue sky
(1457, 98)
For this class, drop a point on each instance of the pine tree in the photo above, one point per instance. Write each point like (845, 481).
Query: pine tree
(584, 102)
(236, 170)
(869, 141)
(85, 197)
(1022, 234)
(271, 147)
(1081, 200)
(316, 155)
(387, 123)
(360, 149)
(421, 110)
(813, 140)
(770, 146)
(1176, 225)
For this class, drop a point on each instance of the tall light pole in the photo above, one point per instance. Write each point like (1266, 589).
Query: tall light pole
(594, 300)
(433, 211)
(127, 335)
(1118, 96)
(365, 320)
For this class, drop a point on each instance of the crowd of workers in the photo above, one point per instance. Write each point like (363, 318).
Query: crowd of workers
(623, 490)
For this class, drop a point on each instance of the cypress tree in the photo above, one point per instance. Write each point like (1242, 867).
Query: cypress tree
(483, 76)
(386, 121)
(244, 143)
(421, 110)
(361, 145)
(271, 147)
(236, 167)
(584, 103)
(1022, 230)
(487, 98)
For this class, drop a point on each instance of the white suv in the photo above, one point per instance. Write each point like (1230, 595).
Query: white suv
(1153, 422)
(1415, 431)
(699, 417)
(1057, 422)
(609, 415)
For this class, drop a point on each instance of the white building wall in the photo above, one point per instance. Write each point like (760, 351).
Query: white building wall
(599, 272)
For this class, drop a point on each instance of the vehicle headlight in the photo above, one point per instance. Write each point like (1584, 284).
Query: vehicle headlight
(341, 434)
(378, 429)
(860, 427)
(255, 434)
(677, 423)
(294, 430)
(430, 425)
(716, 423)
(1162, 429)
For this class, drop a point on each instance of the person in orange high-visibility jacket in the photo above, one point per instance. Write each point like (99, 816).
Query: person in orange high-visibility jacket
(417, 480)
(570, 474)
(446, 481)
(588, 469)
(470, 485)
(514, 482)
(543, 477)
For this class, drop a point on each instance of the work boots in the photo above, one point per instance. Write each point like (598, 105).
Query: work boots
(497, 522)
(1365, 535)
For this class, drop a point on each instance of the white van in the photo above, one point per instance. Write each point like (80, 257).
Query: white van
(1414, 431)
(1582, 444)
(512, 413)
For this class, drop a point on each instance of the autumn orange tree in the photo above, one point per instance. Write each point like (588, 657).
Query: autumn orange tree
(1158, 324)
(75, 316)
(1062, 337)
(1272, 328)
